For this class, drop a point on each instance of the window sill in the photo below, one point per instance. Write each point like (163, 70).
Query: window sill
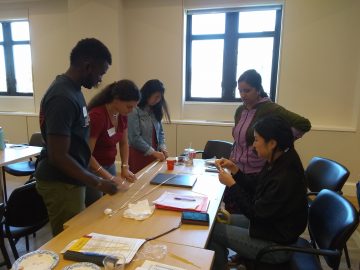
(22, 105)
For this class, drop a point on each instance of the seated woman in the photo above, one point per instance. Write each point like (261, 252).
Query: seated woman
(273, 204)
(146, 134)
(108, 112)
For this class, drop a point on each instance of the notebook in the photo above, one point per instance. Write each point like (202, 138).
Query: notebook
(177, 180)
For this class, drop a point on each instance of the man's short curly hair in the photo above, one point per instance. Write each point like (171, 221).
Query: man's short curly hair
(90, 48)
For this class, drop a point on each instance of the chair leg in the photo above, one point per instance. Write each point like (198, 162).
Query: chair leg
(312, 242)
(4, 185)
(13, 247)
(27, 243)
(347, 257)
(4, 253)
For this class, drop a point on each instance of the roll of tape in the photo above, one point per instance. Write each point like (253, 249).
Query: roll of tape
(223, 216)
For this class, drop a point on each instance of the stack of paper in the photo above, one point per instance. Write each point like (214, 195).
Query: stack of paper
(94, 245)
(179, 202)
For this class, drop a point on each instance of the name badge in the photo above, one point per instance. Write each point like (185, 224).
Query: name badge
(111, 131)
(86, 117)
(85, 112)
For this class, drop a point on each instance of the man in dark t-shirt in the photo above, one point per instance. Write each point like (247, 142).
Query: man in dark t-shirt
(62, 172)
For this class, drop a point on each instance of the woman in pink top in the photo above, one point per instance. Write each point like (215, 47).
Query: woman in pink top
(108, 112)
(256, 104)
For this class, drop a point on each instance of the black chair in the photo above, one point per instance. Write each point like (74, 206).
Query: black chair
(323, 173)
(25, 214)
(332, 220)
(2, 244)
(24, 168)
(216, 148)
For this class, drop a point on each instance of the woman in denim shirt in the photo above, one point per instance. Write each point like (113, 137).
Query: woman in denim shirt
(146, 135)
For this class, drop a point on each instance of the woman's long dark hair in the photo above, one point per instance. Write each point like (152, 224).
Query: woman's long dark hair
(151, 87)
(253, 78)
(124, 90)
(275, 128)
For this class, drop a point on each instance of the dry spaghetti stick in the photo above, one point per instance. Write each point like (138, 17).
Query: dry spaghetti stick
(132, 196)
(147, 193)
(184, 260)
(151, 190)
(128, 201)
(148, 169)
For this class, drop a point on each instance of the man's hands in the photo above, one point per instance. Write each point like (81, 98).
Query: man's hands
(107, 186)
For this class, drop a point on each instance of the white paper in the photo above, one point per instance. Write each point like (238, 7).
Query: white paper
(112, 245)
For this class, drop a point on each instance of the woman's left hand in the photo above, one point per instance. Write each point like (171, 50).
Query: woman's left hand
(165, 152)
(226, 179)
(128, 175)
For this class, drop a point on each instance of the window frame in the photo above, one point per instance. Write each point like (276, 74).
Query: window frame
(231, 38)
(8, 44)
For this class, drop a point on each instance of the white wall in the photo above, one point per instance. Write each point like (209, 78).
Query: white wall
(319, 65)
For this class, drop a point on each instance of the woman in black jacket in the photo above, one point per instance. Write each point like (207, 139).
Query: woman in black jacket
(274, 206)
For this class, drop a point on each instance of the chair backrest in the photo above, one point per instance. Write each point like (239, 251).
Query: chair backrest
(332, 220)
(217, 148)
(324, 173)
(36, 139)
(25, 207)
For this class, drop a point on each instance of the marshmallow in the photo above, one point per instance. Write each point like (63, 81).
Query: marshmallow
(108, 211)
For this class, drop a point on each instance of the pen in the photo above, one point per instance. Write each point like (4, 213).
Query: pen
(185, 199)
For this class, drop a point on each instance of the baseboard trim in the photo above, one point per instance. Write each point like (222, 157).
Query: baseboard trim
(349, 189)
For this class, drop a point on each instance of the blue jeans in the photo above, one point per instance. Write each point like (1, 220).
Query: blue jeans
(236, 237)
(92, 195)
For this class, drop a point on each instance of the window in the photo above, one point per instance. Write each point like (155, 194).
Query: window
(222, 44)
(15, 59)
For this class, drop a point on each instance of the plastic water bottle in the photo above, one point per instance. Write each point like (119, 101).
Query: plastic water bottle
(190, 155)
(2, 142)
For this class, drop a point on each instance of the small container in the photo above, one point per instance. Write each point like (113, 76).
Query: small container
(181, 160)
(2, 141)
(190, 155)
(170, 161)
(114, 262)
